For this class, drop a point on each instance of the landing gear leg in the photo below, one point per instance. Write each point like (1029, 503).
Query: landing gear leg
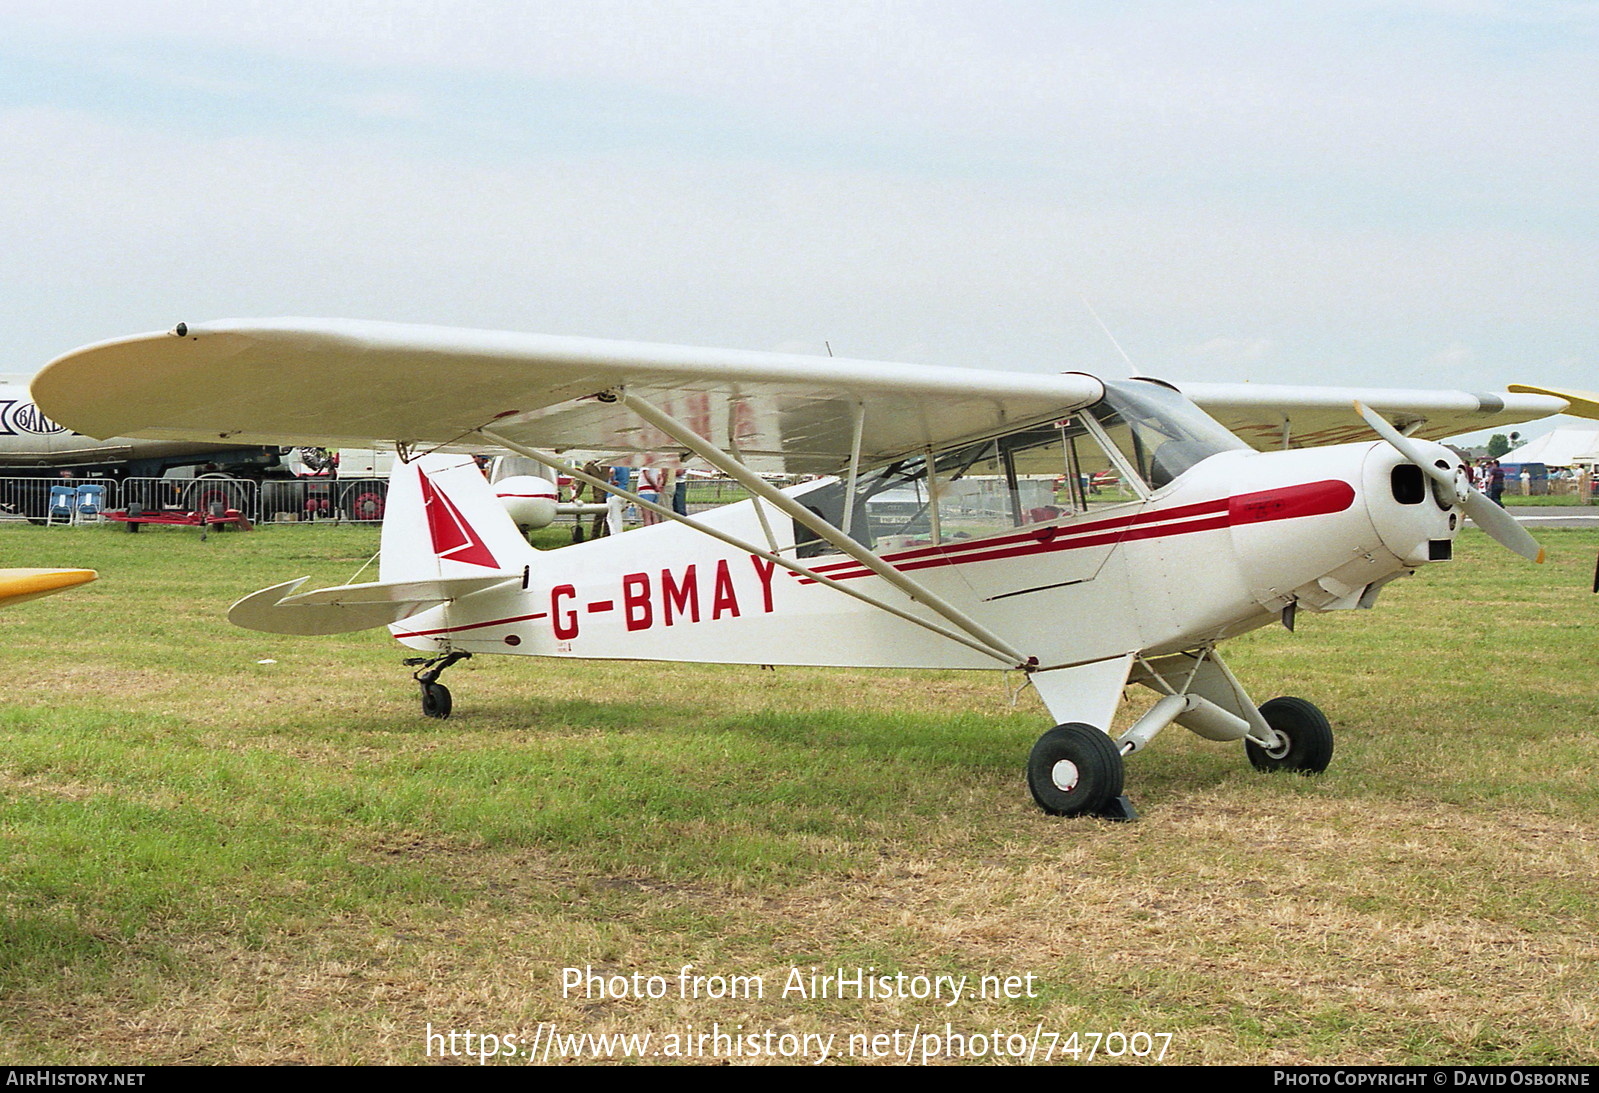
(435, 695)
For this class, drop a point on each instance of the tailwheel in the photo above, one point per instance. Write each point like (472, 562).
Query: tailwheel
(435, 695)
(435, 700)
(1304, 738)
(1076, 770)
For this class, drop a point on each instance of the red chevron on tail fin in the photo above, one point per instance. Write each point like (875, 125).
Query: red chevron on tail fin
(453, 537)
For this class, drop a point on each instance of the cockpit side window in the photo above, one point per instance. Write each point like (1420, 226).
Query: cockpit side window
(1045, 472)
(975, 491)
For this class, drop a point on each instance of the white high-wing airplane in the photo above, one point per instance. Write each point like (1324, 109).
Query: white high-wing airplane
(1087, 533)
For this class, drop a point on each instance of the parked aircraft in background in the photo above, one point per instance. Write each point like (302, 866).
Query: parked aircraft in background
(1085, 533)
(32, 445)
(35, 452)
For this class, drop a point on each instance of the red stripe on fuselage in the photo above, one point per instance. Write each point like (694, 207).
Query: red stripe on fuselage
(470, 626)
(1291, 502)
(1285, 503)
(1037, 534)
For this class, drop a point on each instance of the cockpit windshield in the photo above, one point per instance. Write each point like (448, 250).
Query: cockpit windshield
(1158, 431)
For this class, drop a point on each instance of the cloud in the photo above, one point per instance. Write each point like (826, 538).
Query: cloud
(1337, 186)
(1227, 352)
(1454, 357)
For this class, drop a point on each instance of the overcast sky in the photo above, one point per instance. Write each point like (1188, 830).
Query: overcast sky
(1397, 193)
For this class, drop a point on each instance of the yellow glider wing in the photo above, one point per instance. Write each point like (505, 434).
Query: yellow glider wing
(1581, 403)
(21, 585)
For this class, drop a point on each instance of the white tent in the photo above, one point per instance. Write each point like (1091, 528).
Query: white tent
(1561, 448)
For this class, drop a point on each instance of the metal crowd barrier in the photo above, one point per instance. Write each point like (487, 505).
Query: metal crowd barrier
(65, 500)
(352, 500)
(29, 498)
(292, 500)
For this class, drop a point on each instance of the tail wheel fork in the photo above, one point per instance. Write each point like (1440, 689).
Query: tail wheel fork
(435, 695)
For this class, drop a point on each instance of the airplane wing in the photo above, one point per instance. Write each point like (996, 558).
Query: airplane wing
(340, 382)
(1581, 403)
(336, 382)
(22, 585)
(1271, 416)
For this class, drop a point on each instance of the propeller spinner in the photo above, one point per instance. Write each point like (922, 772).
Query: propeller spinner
(1452, 483)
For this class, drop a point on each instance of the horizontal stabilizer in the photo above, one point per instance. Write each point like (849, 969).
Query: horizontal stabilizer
(351, 607)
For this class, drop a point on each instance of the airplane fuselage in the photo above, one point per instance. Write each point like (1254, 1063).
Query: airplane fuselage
(1223, 549)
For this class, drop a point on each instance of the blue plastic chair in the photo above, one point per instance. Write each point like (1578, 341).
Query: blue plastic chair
(91, 500)
(63, 499)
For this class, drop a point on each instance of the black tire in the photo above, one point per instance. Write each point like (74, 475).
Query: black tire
(435, 700)
(1307, 738)
(1074, 770)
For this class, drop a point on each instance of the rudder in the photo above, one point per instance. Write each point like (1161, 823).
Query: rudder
(442, 520)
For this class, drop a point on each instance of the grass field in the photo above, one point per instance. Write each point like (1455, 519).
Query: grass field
(220, 846)
(1514, 500)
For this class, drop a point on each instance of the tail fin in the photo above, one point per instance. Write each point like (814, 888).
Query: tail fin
(442, 521)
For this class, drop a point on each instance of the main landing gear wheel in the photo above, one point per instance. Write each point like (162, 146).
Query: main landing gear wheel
(1075, 770)
(435, 700)
(1304, 738)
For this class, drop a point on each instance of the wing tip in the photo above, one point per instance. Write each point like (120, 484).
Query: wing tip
(1584, 404)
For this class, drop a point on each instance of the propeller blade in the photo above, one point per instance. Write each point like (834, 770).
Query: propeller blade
(1499, 524)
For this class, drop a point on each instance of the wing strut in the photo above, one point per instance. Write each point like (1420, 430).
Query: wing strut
(736, 543)
(784, 503)
(858, 413)
(760, 511)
